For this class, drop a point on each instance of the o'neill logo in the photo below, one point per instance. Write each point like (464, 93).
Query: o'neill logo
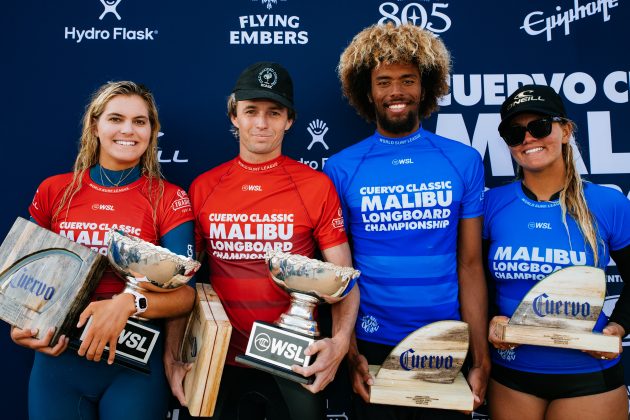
(103, 34)
(168, 157)
(317, 129)
(524, 96)
(535, 23)
(110, 7)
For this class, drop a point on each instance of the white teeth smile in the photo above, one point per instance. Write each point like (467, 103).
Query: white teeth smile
(125, 142)
(396, 106)
(534, 150)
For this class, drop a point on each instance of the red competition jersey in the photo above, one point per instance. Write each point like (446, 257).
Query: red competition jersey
(95, 209)
(241, 210)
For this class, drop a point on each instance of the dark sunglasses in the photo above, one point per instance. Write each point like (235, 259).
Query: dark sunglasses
(515, 134)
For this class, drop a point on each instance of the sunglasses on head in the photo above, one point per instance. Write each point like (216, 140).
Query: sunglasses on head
(515, 134)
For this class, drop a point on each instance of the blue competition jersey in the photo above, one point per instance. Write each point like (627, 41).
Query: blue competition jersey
(528, 241)
(402, 200)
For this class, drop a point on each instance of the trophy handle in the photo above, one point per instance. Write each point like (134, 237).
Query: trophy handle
(299, 317)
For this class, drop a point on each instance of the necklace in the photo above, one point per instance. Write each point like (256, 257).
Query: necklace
(123, 176)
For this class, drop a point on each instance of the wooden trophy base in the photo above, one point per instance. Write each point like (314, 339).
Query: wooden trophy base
(556, 337)
(205, 345)
(46, 280)
(418, 393)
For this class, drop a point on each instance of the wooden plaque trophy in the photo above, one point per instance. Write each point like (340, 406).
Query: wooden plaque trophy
(45, 279)
(424, 369)
(205, 344)
(561, 311)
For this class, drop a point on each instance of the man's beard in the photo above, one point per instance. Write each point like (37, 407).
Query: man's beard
(404, 126)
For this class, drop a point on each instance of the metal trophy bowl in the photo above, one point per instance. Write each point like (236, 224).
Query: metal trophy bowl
(145, 267)
(162, 269)
(309, 282)
(274, 348)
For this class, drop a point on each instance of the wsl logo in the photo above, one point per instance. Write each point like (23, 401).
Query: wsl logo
(110, 7)
(262, 342)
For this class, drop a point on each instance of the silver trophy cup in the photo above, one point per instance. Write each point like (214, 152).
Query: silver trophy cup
(145, 267)
(274, 348)
(308, 282)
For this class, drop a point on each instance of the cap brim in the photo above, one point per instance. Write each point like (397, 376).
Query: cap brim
(244, 95)
(533, 110)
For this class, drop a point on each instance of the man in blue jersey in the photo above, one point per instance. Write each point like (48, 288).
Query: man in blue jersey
(413, 204)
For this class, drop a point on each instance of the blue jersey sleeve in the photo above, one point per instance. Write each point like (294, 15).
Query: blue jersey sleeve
(180, 241)
(621, 222)
(472, 201)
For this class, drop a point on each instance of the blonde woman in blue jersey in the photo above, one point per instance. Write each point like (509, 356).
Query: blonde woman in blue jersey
(549, 210)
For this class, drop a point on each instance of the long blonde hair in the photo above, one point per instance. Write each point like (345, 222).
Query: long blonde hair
(89, 147)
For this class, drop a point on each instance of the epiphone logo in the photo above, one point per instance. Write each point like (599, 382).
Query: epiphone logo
(409, 360)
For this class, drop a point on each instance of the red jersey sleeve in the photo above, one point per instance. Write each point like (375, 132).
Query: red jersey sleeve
(47, 199)
(174, 208)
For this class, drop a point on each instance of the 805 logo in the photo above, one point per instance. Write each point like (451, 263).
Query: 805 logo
(434, 20)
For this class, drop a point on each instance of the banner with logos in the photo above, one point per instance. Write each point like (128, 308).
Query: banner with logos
(55, 54)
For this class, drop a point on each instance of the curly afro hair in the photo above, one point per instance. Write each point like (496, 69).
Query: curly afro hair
(389, 44)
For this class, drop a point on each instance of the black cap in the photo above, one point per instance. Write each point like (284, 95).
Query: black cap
(537, 99)
(265, 80)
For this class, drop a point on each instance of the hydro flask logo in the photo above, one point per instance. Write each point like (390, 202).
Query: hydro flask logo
(110, 7)
(317, 129)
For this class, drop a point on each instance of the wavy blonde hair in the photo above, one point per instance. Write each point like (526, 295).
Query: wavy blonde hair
(389, 44)
(572, 199)
(89, 146)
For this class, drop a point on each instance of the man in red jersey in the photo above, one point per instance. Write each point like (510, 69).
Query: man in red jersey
(262, 200)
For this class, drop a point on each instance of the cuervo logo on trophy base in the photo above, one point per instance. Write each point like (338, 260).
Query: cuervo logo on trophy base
(561, 311)
(274, 348)
(424, 369)
(46, 280)
(145, 267)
